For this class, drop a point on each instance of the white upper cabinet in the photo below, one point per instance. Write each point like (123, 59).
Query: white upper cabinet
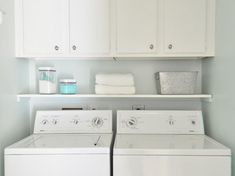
(63, 28)
(90, 27)
(44, 27)
(115, 28)
(136, 26)
(185, 26)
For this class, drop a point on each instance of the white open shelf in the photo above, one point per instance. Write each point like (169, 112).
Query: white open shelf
(145, 96)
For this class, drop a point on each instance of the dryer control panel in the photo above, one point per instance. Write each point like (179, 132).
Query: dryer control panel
(73, 122)
(160, 122)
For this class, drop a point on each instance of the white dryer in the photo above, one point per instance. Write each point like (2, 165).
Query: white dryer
(64, 143)
(167, 143)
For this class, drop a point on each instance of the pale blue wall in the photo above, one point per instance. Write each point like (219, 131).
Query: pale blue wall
(14, 123)
(219, 78)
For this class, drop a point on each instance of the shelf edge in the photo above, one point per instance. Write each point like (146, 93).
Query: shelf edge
(196, 96)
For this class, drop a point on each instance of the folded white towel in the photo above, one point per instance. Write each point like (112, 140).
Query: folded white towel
(112, 90)
(115, 79)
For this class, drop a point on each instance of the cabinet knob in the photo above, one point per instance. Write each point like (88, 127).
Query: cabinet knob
(170, 46)
(151, 46)
(57, 47)
(74, 47)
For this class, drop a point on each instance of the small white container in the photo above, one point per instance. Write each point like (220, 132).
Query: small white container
(47, 80)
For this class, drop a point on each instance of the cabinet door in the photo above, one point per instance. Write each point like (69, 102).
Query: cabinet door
(185, 26)
(136, 26)
(44, 27)
(90, 27)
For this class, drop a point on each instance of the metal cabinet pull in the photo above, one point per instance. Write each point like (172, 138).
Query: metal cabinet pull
(151, 46)
(57, 47)
(74, 47)
(170, 46)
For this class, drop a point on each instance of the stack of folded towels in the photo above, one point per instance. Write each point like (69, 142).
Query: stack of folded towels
(119, 84)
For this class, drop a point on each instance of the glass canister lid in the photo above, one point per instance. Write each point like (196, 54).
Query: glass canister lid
(68, 81)
(47, 69)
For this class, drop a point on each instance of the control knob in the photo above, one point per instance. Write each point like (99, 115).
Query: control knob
(193, 122)
(75, 121)
(45, 122)
(171, 122)
(97, 122)
(132, 122)
(54, 122)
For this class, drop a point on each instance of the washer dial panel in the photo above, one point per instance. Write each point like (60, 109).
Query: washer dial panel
(94, 121)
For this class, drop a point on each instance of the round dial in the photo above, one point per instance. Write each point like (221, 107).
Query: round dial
(45, 122)
(132, 122)
(54, 122)
(75, 121)
(193, 122)
(171, 122)
(97, 122)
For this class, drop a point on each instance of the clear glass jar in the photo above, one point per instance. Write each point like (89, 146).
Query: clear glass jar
(47, 80)
(68, 86)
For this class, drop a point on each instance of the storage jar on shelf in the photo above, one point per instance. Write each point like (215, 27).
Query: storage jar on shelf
(47, 80)
(68, 86)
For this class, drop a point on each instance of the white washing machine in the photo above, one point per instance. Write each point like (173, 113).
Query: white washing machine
(167, 143)
(64, 143)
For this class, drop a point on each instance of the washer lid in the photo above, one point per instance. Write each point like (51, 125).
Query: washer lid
(62, 144)
(129, 144)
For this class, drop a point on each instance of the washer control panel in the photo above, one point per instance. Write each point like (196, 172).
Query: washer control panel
(73, 122)
(160, 122)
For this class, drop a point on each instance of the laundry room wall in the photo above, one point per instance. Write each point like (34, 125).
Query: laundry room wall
(219, 79)
(84, 72)
(14, 120)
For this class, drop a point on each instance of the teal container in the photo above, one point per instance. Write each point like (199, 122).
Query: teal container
(68, 86)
